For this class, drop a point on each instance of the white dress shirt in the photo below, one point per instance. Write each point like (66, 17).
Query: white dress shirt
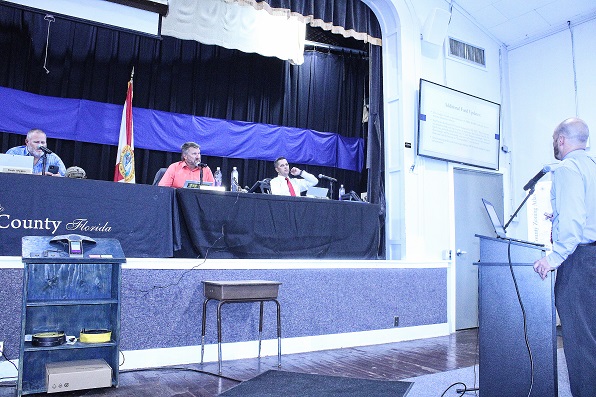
(279, 185)
(573, 200)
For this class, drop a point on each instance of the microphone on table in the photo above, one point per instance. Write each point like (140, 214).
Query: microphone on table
(321, 176)
(532, 182)
(44, 149)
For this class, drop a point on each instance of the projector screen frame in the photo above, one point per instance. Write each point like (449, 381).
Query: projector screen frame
(462, 106)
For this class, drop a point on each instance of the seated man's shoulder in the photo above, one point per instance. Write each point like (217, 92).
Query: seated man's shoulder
(16, 150)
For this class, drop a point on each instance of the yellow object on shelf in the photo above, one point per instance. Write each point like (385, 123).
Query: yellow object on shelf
(95, 336)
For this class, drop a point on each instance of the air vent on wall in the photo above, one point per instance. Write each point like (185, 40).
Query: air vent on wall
(466, 52)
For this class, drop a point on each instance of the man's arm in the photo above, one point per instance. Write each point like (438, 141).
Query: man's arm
(307, 180)
(569, 221)
(570, 210)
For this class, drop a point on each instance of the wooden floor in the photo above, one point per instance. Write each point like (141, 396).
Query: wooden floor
(394, 361)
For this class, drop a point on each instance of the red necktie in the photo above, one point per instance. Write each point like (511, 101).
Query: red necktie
(292, 192)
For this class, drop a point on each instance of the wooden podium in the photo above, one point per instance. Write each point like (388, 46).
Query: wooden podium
(504, 359)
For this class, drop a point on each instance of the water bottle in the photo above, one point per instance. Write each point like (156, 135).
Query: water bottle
(234, 180)
(217, 176)
(342, 191)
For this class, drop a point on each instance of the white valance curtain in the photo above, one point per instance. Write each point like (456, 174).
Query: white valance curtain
(237, 25)
(309, 17)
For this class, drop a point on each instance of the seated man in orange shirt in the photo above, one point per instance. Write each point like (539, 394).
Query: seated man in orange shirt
(189, 169)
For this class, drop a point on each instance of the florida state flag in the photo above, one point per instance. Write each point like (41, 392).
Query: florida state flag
(125, 159)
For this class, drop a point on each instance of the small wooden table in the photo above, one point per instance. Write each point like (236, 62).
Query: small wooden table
(240, 291)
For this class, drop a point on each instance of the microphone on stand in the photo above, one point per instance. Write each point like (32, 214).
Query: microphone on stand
(532, 182)
(44, 149)
(202, 165)
(321, 176)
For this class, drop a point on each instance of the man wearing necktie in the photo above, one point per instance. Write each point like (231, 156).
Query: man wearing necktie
(283, 185)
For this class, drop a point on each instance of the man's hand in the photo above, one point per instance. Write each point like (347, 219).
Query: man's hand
(295, 171)
(542, 267)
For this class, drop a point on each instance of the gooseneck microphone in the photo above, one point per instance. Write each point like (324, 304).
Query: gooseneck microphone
(321, 176)
(44, 149)
(532, 182)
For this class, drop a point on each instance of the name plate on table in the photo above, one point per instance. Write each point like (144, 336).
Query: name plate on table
(203, 186)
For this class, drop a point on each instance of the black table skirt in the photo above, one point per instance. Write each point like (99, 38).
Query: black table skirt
(243, 225)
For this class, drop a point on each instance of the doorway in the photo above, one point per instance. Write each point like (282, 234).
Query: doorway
(470, 187)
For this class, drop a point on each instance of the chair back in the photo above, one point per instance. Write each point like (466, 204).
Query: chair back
(159, 175)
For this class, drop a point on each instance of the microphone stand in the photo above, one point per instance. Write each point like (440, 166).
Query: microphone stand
(530, 192)
(331, 190)
(44, 161)
(201, 176)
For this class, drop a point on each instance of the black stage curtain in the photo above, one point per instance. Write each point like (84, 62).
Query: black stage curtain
(326, 93)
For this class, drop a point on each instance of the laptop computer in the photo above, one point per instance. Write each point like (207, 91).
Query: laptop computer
(15, 163)
(498, 226)
(318, 192)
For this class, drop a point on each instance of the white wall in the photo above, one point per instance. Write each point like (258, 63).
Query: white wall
(542, 94)
(419, 203)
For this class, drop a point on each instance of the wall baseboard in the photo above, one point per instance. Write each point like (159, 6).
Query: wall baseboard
(154, 358)
(150, 358)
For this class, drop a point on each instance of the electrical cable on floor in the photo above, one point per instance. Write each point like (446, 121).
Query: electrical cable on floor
(182, 369)
(462, 391)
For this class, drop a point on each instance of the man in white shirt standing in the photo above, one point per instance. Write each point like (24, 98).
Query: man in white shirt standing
(283, 185)
(573, 197)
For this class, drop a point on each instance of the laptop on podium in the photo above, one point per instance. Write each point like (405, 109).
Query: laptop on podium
(499, 229)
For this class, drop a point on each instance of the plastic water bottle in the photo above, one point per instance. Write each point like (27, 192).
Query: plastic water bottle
(342, 191)
(217, 176)
(234, 180)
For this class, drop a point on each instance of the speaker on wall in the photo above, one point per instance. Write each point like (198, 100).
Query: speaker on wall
(435, 26)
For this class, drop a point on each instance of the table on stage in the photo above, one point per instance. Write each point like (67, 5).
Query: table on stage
(160, 222)
(246, 225)
(142, 217)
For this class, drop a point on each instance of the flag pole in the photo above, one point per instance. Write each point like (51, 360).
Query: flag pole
(125, 166)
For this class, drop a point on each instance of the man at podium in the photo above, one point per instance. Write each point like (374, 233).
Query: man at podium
(573, 197)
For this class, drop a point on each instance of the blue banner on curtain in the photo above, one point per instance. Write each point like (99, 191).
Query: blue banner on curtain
(95, 122)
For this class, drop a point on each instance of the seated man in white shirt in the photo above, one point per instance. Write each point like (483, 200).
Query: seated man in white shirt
(283, 185)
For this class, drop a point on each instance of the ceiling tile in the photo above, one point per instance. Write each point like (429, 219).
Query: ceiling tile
(560, 12)
(519, 28)
(488, 16)
(474, 5)
(516, 8)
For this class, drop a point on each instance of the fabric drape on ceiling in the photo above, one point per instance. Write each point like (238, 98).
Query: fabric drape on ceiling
(350, 18)
(236, 26)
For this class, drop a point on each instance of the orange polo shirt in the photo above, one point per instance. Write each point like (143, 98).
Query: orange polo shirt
(178, 173)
